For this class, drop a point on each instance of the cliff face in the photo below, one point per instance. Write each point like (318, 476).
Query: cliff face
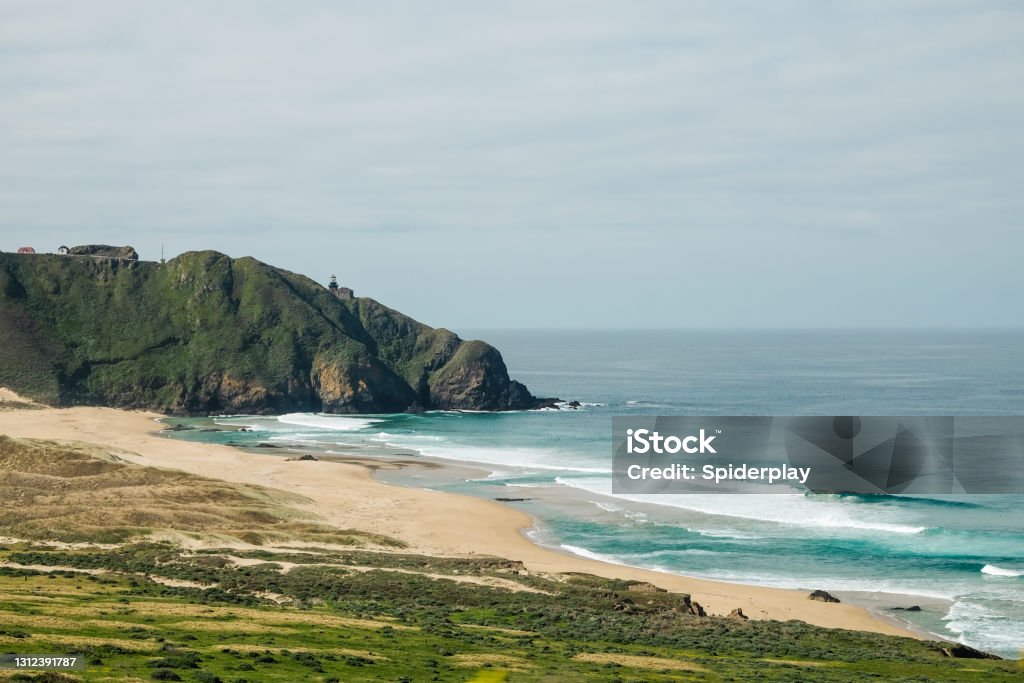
(204, 333)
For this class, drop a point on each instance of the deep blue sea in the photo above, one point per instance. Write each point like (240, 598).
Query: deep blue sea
(961, 559)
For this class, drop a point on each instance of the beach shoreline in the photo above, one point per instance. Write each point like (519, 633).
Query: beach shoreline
(347, 495)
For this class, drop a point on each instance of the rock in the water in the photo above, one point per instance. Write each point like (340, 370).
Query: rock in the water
(912, 608)
(738, 614)
(822, 596)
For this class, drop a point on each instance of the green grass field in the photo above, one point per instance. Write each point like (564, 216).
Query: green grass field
(366, 616)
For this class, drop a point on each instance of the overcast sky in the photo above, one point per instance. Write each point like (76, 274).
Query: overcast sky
(557, 164)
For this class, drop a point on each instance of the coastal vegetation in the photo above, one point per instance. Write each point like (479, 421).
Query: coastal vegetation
(204, 333)
(191, 599)
(77, 492)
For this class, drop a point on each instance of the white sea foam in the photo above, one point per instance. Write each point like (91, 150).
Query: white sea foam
(341, 423)
(564, 405)
(642, 558)
(787, 509)
(830, 583)
(583, 552)
(993, 570)
(384, 436)
(224, 423)
(726, 533)
(433, 446)
(908, 587)
(979, 626)
(962, 612)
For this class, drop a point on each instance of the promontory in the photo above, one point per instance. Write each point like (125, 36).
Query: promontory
(204, 333)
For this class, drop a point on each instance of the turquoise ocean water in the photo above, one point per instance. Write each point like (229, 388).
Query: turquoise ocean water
(961, 559)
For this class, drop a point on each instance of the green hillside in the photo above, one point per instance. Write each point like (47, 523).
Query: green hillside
(204, 333)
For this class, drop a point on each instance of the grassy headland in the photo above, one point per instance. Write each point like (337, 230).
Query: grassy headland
(204, 333)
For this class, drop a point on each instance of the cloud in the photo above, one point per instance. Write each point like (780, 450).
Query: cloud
(424, 131)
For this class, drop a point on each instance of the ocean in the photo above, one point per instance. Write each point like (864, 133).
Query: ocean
(960, 559)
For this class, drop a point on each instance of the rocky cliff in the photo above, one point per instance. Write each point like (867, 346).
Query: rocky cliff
(205, 334)
(105, 251)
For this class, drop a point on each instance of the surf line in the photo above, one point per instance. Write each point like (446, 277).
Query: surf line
(731, 472)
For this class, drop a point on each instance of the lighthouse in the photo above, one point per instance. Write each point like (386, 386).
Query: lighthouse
(339, 292)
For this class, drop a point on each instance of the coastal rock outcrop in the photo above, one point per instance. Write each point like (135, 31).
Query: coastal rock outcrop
(207, 334)
(691, 606)
(105, 251)
(960, 651)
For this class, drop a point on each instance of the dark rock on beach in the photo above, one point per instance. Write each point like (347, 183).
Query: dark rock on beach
(302, 458)
(178, 428)
(822, 596)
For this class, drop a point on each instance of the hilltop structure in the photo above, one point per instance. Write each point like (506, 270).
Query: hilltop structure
(340, 292)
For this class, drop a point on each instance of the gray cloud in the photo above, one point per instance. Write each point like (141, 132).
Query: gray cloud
(542, 164)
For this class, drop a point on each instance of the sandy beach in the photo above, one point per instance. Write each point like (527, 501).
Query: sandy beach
(347, 496)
